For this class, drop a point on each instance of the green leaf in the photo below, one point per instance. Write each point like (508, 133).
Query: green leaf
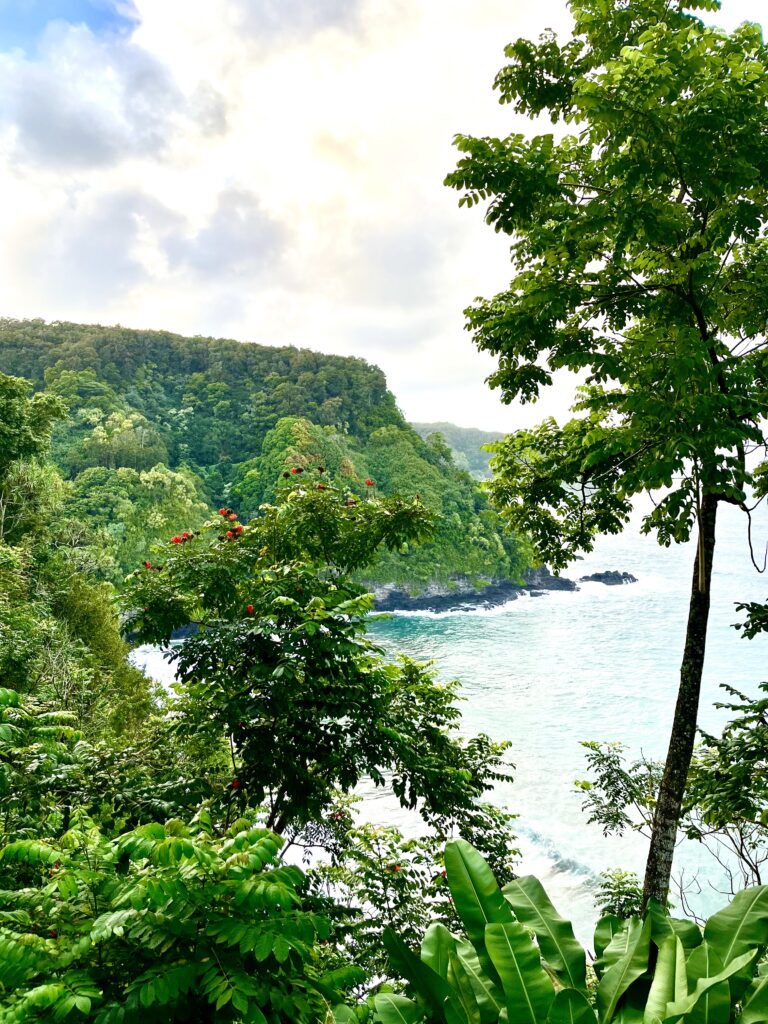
(755, 1004)
(490, 999)
(669, 982)
(528, 989)
(715, 1006)
(394, 1009)
(436, 948)
(605, 930)
(626, 969)
(740, 926)
(683, 1007)
(571, 1007)
(461, 982)
(427, 983)
(476, 896)
(555, 936)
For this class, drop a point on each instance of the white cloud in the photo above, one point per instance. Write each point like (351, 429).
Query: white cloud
(270, 171)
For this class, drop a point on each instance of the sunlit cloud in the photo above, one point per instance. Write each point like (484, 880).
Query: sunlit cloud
(269, 170)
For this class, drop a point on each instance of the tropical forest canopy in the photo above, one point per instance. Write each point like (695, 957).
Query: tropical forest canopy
(161, 428)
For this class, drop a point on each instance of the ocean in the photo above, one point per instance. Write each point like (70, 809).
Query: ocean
(601, 663)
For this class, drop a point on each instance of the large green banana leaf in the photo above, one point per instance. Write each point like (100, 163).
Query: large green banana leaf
(627, 968)
(715, 1005)
(555, 936)
(682, 1007)
(490, 999)
(434, 990)
(670, 981)
(740, 926)
(755, 1007)
(605, 929)
(436, 948)
(571, 1007)
(528, 989)
(394, 1009)
(476, 896)
(461, 982)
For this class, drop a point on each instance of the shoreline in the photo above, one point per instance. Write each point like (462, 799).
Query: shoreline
(465, 596)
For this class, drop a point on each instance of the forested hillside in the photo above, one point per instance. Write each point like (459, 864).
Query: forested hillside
(161, 428)
(466, 444)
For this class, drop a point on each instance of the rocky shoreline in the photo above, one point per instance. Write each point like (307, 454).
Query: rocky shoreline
(465, 596)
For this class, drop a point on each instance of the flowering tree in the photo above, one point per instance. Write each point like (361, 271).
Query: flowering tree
(280, 669)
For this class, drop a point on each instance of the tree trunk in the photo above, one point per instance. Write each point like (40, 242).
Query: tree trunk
(666, 819)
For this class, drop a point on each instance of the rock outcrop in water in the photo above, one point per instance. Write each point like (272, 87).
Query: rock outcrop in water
(463, 595)
(612, 578)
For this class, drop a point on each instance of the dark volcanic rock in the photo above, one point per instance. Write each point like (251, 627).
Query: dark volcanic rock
(612, 578)
(462, 595)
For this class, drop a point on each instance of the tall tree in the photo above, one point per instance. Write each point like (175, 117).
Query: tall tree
(640, 263)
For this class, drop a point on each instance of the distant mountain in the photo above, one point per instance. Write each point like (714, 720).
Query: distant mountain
(161, 428)
(465, 444)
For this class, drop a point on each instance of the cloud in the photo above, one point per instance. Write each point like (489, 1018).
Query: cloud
(94, 101)
(96, 248)
(267, 19)
(239, 238)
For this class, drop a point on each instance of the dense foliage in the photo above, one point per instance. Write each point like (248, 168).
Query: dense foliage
(467, 445)
(160, 427)
(655, 969)
(639, 248)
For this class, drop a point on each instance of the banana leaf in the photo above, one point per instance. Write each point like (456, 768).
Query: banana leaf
(555, 936)
(528, 989)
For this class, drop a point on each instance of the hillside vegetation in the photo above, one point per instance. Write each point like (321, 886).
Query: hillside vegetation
(466, 444)
(161, 428)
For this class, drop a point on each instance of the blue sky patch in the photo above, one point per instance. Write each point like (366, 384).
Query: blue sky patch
(23, 21)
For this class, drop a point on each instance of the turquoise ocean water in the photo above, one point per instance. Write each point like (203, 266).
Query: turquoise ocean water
(547, 672)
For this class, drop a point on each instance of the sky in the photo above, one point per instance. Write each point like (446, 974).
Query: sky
(266, 170)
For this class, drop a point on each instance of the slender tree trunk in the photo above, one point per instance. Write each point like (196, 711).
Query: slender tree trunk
(666, 819)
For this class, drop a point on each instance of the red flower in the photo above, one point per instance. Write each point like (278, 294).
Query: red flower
(249, 609)
(232, 516)
(396, 867)
(53, 933)
(185, 535)
(176, 540)
(230, 535)
(238, 529)
(369, 483)
(223, 511)
(147, 565)
(295, 470)
(236, 783)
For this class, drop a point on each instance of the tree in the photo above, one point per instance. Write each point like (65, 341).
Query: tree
(640, 254)
(280, 668)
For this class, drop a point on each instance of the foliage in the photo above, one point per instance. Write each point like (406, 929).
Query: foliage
(619, 893)
(466, 445)
(49, 771)
(167, 923)
(281, 668)
(133, 510)
(162, 419)
(59, 636)
(652, 969)
(639, 266)
(726, 800)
